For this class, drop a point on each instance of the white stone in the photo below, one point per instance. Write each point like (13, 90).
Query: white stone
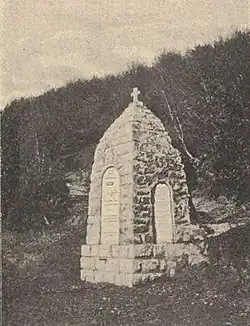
(93, 234)
(129, 280)
(105, 251)
(127, 266)
(123, 251)
(101, 264)
(164, 214)
(90, 278)
(112, 265)
(94, 250)
(115, 251)
(110, 207)
(85, 250)
(88, 263)
(87, 275)
(109, 277)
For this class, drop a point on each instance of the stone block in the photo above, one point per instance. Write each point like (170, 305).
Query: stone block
(108, 277)
(119, 279)
(105, 251)
(137, 268)
(159, 250)
(87, 275)
(95, 207)
(126, 233)
(112, 265)
(126, 181)
(94, 196)
(125, 208)
(163, 265)
(100, 264)
(127, 265)
(93, 234)
(150, 265)
(85, 250)
(123, 169)
(97, 177)
(143, 250)
(99, 276)
(83, 274)
(94, 250)
(128, 280)
(123, 279)
(140, 278)
(91, 278)
(123, 251)
(115, 251)
(88, 263)
(170, 250)
(93, 219)
(127, 251)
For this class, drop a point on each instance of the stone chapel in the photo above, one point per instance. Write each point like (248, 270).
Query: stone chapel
(138, 202)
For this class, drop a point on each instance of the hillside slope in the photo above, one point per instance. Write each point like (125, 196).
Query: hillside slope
(202, 98)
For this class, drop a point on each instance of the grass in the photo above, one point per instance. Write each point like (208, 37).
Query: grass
(49, 292)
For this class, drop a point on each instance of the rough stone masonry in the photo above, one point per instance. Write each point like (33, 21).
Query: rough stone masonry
(138, 202)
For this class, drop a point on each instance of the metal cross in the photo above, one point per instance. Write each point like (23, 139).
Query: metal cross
(135, 94)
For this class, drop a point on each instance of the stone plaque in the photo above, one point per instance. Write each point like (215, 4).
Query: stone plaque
(163, 212)
(110, 210)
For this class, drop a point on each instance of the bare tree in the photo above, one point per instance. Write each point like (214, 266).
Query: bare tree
(191, 162)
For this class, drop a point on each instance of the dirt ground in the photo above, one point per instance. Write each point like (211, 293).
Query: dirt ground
(48, 291)
(191, 299)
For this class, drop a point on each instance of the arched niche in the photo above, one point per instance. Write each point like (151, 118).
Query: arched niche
(110, 207)
(163, 213)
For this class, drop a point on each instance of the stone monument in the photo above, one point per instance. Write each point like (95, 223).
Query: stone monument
(138, 202)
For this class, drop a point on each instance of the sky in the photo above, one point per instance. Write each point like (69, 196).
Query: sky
(47, 43)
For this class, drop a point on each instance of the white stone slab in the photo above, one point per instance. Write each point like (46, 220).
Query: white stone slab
(110, 210)
(163, 210)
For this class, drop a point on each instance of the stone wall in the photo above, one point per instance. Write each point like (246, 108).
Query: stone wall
(128, 265)
(155, 161)
(115, 149)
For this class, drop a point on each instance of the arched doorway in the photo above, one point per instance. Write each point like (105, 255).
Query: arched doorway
(110, 208)
(163, 214)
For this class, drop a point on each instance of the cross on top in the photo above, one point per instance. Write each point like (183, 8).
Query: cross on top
(135, 94)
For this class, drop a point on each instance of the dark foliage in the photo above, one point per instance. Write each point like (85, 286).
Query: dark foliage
(208, 91)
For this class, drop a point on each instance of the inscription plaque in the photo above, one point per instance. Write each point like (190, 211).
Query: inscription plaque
(110, 207)
(163, 213)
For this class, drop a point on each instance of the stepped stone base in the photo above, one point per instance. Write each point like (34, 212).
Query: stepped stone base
(128, 265)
